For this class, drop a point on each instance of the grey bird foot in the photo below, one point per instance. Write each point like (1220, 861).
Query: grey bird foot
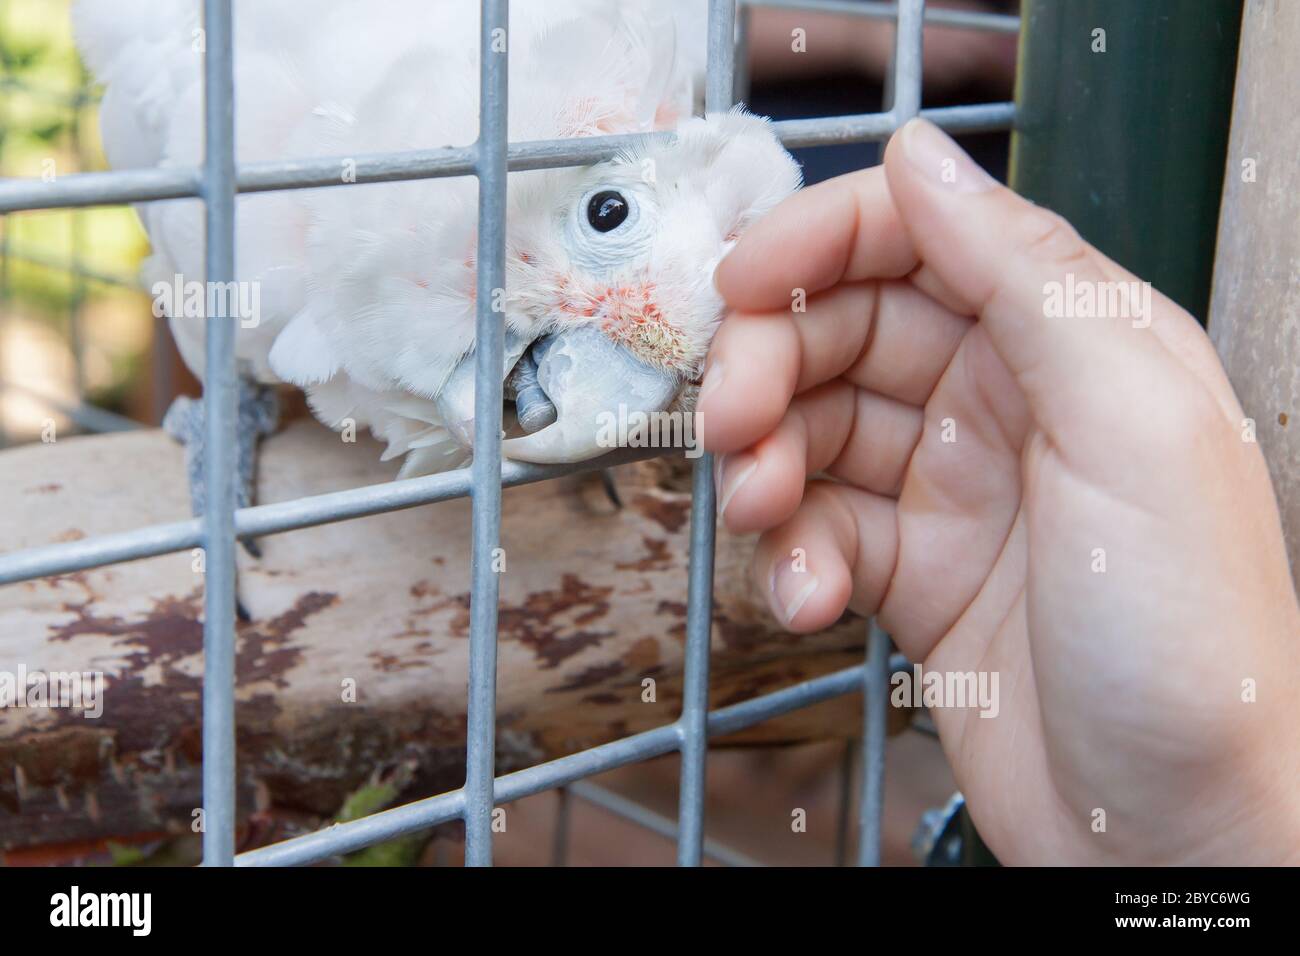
(258, 415)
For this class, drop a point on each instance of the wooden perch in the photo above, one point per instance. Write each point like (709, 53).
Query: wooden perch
(592, 603)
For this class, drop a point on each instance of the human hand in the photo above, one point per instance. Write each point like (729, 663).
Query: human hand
(1068, 502)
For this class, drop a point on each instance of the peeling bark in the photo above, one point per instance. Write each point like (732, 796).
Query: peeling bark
(592, 603)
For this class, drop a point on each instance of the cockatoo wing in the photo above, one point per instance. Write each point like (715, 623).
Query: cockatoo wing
(365, 296)
(353, 81)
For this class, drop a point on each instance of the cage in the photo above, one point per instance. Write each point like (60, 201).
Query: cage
(490, 159)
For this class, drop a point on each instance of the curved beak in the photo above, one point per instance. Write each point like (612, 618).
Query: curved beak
(594, 385)
(455, 400)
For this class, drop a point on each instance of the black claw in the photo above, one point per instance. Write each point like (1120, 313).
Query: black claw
(611, 489)
(252, 546)
(241, 612)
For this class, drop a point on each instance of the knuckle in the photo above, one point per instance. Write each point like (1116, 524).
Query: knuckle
(1049, 238)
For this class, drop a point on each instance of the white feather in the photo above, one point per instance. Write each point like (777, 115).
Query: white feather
(367, 292)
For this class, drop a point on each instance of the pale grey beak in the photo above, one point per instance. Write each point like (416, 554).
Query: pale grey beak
(594, 385)
(456, 400)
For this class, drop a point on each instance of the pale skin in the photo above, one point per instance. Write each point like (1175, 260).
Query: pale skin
(1071, 502)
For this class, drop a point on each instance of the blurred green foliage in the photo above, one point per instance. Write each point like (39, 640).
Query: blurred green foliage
(48, 127)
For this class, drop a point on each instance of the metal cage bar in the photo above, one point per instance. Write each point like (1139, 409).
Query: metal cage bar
(875, 714)
(718, 90)
(431, 811)
(490, 158)
(219, 446)
(691, 737)
(905, 93)
(621, 806)
(262, 520)
(872, 9)
(147, 185)
(490, 166)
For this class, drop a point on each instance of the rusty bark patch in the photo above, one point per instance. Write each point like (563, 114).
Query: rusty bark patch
(657, 557)
(591, 677)
(264, 652)
(535, 623)
(603, 700)
(643, 655)
(669, 513)
(169, 631)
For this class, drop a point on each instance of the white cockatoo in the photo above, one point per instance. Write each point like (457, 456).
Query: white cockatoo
(366, 293)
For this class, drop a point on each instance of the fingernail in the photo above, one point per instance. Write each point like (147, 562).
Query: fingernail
(733, 471)
(712, 379)
(791, 589)
(935, 155)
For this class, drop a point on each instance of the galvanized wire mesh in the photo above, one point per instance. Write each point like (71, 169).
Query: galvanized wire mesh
(217, 182)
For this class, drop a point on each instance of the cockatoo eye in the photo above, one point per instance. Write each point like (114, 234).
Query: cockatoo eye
(607, 210)
(608, 227)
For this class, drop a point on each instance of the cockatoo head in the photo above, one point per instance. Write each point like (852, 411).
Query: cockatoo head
(610, 272)
(609, 299)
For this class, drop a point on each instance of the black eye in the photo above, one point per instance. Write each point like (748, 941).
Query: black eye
(606, 210)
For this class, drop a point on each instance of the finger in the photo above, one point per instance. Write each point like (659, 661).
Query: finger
(856, 436)
(963, 490)
(836, 552)
(844, 230)
(880, 444)
(998, 256)
(762, 486)
(882, 336)
(1180, 335)
(913, 338)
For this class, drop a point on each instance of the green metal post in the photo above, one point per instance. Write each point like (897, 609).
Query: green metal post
(1124, 108)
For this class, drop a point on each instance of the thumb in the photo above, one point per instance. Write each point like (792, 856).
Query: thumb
(1029, 278)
